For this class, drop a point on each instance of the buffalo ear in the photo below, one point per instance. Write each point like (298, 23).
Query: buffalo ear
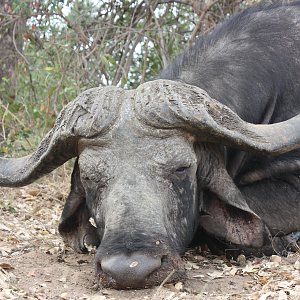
(225, 213)
(74, 225)
(231, 224)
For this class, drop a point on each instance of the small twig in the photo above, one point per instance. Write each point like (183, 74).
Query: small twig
(130, 56)
(203, 14)
(13, 19)
(26, 110)
(1, 104)
(57, 92)
(11, 127)
(145, 59)
(94, 45)
(162, 43)
(48, 108)
(173, 1)
(203, 289)
(32, 87)
(92, 52)
(122, 62)
(15, 129)
(43, 225)
(74, 27)
(14, 41)
(165, 280)
(3, 129)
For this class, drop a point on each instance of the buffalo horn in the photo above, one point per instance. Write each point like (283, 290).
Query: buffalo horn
(89, 115)
(171, 104)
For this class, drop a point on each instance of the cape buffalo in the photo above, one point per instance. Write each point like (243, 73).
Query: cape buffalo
(210, 143)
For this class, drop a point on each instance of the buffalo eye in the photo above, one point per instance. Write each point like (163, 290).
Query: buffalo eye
(84, 176)
(181, 170)
(88, 179)
(97, 181)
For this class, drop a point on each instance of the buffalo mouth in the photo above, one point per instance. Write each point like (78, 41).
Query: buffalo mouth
(139, 271)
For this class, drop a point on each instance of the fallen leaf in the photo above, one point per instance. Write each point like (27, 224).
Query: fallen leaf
(3, 278)
(215, 275)
(296, 281)
(41, 290)
(30, 198)
(218, 261)
(284, 284)
(3, 227)
(98, 298)
(189, 265)
(254, 296)
(195, 267)
(275, 258)
(179, 286)
(84, 297)
(170, 286)
(199, 276)
(33, 191)
(6, 265)
(265, 296)
(64, 296)
(272, 265)
(31, 273)
(106, 293)
(199, 257)
(297, 265)
(241, 260)
(262, 273)
(282, 295)
(170, 296)
(233, 271)
(249, 268)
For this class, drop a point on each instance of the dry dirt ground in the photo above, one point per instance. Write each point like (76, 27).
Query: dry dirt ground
(36, 264)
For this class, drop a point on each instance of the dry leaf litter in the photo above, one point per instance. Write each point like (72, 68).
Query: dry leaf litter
(36, 264)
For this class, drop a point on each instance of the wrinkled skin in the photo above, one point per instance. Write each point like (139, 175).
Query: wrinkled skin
(143, 187)
(143, 181)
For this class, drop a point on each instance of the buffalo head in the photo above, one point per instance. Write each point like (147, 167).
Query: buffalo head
(149, 170)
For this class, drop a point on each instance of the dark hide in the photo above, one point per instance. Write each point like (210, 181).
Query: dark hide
(74, 222)
(251, 63)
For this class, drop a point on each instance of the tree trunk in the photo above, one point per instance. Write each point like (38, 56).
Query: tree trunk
(11, 43)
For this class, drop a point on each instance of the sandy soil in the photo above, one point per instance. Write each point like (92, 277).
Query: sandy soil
(36, 264)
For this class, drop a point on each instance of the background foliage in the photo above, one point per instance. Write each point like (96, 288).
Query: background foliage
(60, 48)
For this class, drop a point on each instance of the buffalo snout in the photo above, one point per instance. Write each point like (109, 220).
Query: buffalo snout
(139, 270)
(122, 271)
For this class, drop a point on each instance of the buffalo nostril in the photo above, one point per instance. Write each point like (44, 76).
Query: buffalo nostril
(130, 271)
